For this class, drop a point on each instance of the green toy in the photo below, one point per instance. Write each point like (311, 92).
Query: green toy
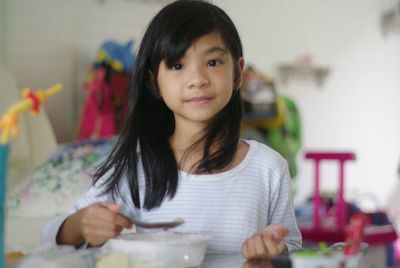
(286, 138)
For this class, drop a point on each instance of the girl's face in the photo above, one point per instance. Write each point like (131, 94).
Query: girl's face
(200, 84)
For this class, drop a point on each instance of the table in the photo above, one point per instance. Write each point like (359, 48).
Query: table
(237, 261)
(210, 261)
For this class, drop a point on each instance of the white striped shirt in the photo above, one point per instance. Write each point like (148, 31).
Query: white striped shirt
(231, 205)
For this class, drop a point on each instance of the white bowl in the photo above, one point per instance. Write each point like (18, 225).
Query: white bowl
(186, 249)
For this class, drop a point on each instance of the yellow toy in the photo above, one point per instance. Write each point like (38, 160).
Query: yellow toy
(32, 101)
(9, 127)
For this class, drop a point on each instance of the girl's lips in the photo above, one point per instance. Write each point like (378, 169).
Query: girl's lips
(199, 100)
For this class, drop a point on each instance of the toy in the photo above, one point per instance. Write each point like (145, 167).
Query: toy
(119, 57)
(275, 118)
(32, 101)
(107, 88)
(9, 128)
(98, 112)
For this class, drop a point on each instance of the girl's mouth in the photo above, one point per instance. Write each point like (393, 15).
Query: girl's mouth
(199, 100)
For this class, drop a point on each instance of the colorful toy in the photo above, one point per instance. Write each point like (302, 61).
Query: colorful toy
(118, 56)
(276, 118)
(32, 101)
(287, 138)
(107, 86)
(97, 114)
(9, 128)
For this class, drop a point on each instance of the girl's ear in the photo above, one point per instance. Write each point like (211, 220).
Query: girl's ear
(239, 78)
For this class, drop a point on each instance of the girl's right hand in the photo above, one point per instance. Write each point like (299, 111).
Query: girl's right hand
(102, 221)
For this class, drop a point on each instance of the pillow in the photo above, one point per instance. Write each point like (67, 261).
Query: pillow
(52, 187)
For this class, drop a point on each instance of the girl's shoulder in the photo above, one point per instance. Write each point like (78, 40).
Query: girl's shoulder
(264, 155)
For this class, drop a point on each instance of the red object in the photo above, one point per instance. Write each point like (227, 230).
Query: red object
(97, 117)
(355, 233)
(317, 231)
(105, 106)
(35, 101)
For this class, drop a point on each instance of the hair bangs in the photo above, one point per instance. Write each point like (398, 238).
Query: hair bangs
(174, 47)
(190, 21)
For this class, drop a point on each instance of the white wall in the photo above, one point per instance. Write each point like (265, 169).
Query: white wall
(356, 109)
(55, 41)
(2, 31)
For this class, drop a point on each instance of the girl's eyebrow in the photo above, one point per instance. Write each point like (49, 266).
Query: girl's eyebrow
(215, 49)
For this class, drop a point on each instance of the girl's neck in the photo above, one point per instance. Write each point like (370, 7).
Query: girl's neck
(188, 155)
(186, 149)
(186, 134)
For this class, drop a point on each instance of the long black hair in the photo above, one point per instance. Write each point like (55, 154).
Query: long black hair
(150, 123)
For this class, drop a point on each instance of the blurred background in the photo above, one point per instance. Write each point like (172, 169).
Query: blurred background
(338, 61)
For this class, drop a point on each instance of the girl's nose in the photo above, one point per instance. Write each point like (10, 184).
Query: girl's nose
(198, 78)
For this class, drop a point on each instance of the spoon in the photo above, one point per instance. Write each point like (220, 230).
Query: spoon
(158, 225)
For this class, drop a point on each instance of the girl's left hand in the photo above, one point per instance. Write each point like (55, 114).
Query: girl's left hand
(266, 243)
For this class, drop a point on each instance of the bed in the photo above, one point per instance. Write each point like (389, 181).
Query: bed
(50, 189)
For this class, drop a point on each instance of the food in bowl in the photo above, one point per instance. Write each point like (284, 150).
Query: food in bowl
(184, 249)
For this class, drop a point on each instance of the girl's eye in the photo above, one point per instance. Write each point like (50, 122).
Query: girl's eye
(213, 63)
(176, 66)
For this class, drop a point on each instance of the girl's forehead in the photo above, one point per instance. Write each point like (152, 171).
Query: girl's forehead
(208, 43)
(213, 38)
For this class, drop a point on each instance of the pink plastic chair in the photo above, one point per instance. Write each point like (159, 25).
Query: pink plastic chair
(340, 206)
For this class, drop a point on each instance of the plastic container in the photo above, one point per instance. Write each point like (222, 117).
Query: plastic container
(177, 249)
(48, 256)
(318, 260)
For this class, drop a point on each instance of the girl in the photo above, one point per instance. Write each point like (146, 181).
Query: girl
(180, 155)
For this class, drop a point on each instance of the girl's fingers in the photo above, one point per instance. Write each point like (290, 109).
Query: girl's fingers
(123, 221)
(104, 233)
(267, 243)
(275, 232)
(250, 248)
(111, 206)
(274, 247)
(110, 212)
(103, 221)
(259, 245)
(280, 233)
(244, 250)
(274, 242)
(255, 248)
(97, 234)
